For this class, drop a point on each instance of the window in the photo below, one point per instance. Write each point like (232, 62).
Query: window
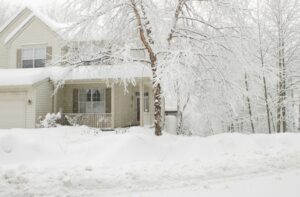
(33, 57)
(92, 100)
(146, 100)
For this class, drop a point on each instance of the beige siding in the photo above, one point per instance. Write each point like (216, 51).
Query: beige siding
(35, 33)
(44, 100)
(30, 112)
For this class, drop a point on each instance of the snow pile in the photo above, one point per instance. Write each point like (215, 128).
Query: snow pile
(79, 161)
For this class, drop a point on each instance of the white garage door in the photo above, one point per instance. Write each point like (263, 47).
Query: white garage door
(12, 110)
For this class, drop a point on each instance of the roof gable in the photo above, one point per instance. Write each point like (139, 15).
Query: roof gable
(12, 19)
(52, 25)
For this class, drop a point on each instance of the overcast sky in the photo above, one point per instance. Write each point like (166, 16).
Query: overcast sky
(33, 3)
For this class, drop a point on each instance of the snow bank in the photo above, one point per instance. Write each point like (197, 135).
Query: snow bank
(78, 161)
(76, 144)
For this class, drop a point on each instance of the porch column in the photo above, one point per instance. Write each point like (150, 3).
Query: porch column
(112, 106)
(55, 102)
(142, 103)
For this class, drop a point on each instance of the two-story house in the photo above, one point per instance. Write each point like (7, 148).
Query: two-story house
(27, 41)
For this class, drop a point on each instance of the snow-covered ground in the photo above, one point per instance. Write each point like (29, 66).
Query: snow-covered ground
(78, 161)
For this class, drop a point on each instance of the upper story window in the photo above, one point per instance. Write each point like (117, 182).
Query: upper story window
(33, 57)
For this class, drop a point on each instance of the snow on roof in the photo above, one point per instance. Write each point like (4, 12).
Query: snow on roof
(53, 25)
(11, 19)
(30, 76)
(16, 30)
(16, 77)
(119, 71)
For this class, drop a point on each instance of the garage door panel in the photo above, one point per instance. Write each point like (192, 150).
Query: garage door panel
(12, 110)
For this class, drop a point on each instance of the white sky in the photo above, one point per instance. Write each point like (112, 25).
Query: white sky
(32, 3)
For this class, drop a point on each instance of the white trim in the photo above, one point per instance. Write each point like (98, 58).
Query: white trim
(13, 33)
(28, 45)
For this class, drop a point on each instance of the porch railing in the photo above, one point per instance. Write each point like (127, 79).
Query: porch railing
(96, 120)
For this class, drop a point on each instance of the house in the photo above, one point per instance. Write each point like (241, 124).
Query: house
(27, 41)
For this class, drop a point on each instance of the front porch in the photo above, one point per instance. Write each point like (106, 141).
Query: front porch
(96, 104)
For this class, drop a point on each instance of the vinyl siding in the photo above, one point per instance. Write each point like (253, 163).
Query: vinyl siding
(44, 100)
(34, 34)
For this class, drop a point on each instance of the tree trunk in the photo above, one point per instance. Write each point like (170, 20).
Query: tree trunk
(249, 104)
(153, 62)
(284, 125)
(281, 109)
(267, 104)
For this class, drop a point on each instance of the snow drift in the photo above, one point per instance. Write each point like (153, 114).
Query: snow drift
(83, 161)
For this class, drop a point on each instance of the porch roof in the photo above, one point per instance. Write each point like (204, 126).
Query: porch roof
(31, 76)
(94, 72)
(21, 77)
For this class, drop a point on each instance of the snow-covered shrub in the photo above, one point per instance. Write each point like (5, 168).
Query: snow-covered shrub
(50, 120)
(74, 120)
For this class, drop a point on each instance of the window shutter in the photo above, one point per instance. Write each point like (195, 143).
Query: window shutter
(108, 100)
(19, 58)
(49, 53)
(75, 100)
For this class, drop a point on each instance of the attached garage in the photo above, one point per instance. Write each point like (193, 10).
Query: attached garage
(13, 110)
(25, 96)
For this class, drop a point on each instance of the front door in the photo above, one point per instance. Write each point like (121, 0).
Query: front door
(138, 111)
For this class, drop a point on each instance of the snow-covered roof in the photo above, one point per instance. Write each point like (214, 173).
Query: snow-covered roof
(53, 25)
(11, 19)
(119, 71)
(16, 30)
(17, 77)
(30, 76)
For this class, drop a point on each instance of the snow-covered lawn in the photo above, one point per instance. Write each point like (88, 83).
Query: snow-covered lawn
(78, 161)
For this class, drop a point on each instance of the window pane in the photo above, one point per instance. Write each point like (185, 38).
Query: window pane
(27, 63)
(146, 104)
(88, 108)
(39, 63)
(82, 108)
(89, 95)
(98, 107)
(40, 53)
(85, 95)
(27, 54)
(96, 95)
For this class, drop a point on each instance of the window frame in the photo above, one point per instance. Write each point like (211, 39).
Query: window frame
(34, 49)
(146, 100)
